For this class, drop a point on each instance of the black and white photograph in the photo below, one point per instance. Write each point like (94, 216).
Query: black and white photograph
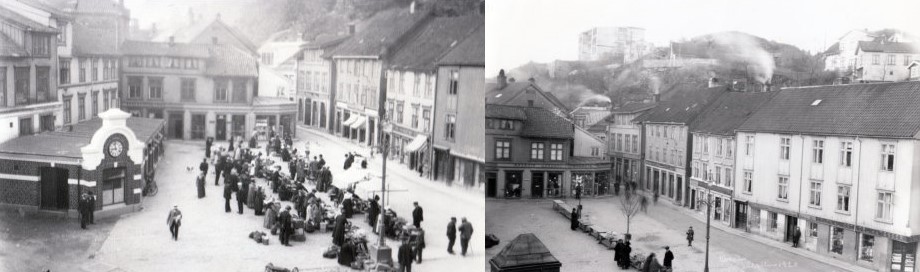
(702, 135)
(271, 135)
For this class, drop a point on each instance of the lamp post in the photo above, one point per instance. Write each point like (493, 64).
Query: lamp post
(381, 252)
(708, 203)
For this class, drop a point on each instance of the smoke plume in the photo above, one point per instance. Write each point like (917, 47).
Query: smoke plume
(743, 48)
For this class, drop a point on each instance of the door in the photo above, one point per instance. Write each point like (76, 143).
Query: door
(791, 223)
(221, 127)
(54, 188)
(491, 182)
(903, 256)
(176, 126)
(198, 121)
(740, 215)
(513, 184)
(46, 123)
(238, 124)
(693, 199)
(536, 184)
(308, 112)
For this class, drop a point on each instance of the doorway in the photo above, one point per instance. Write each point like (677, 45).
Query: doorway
(55, 193)
(740, 215)
(491, 180)
(221, 127)
(176, 125)
(238, 124)
(536, 184)
(791, 223)
(513, 184)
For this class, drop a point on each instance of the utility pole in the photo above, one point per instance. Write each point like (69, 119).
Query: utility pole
(381, 252)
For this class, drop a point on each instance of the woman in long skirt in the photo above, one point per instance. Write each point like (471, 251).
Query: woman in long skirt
(199, 182)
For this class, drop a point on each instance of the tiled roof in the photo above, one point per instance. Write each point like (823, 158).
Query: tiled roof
(544, 123)
(99, 6)
(24, 22)
(833, 50)
(192, 32)
(433, 39)
(505, 95)
(470, 52)
(68, 143)
(325, 40)
(227, 60)
(598, 127)
(593, 115)
(164, 49)
(381, 32)
(888, 47)
(875, 110)
(633, 107)
(683, 105)
(527, 251)
(505, 112)
(94, 39)
(729, 111)
(57, 8)
(9, 47)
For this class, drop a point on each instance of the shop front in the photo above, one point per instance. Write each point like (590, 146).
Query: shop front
(549, 180)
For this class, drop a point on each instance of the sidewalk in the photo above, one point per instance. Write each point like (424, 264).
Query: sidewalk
(469, 194)
(766, 241)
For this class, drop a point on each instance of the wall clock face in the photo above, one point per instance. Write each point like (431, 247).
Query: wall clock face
(115, 148)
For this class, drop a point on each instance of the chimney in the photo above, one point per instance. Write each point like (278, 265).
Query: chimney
(713, 82)
(502, 80)
(351, 29)
(412, 8)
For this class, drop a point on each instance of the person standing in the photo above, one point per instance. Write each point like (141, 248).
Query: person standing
(373, 212)
(347, 205)
(466, 232)
(203, 166)
(574, 219)
(322, 162)
(626, 257)
(219, 167)
(417, 215)
(91, 207)
(83, 209)
(199, 182)
(405, 257)
(207, 147)
(796, 236)
(668, 258)
(690, 236)
(287, 226)
(651, 264)
(228, 192)
(618, 253)
(174, 221)
(420, 244)
(338, 233)
(451, 234)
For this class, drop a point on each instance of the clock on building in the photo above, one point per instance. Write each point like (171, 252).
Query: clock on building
(115, 148)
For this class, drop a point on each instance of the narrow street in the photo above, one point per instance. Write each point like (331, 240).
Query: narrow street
(660, 226)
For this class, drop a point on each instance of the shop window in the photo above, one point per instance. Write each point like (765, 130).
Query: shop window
(113, 189)
(773, 220)
(866, 248)
(837, 240)
(717, 209)
(812, 229)
(554, 184)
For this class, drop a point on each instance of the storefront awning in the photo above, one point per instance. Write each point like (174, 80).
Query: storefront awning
(358, 124)
(351, 119)
(416, 143)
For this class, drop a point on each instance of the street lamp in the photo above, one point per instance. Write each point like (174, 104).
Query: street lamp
(708, 203)
(382, 253)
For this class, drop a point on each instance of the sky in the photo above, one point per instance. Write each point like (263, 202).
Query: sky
(520, 31)
(168, 13)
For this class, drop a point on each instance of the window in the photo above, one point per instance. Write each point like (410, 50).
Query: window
(415, 109)
(628, 144)
(2, 87)
(705, 142)
(43, 92)
(883, 208)
(399, 111)
(188, 89)
(22, 76)
(105, 100)
(728, 177)
(718, 175)
(783, 188)
(784, 144)
(635, 141)
(892, 60)
(817, 151)
(875, 59)
(64, 71)
(416, 87)
(239, 90)
(502, 149)
(748, 145)
(812, 229)
(846, 154)
(843, 198)
(454, 82)
(696, 169)
(536, 151)
(555, 152)
(748, 181)
(426, 118)
(83, 68)
(814, 197)
(888, 157)
(907, 60)
(113, 190)
(81, 107)
(95, 103)
(220, 90)
(67, 109)
(451, 126)
(867, 248)
(95, 71)
(41, 45)
(836, 244)
(719, 147)
(62, 34)
(729, 150)
(134, 87)
(156, 87)
(773, 220)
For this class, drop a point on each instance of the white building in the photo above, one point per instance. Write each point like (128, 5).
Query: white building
(884, 61)
(840, 163)
(842, 56)
(624, 141)
(623, 44)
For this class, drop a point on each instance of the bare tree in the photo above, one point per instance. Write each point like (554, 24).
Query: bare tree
(630, 204)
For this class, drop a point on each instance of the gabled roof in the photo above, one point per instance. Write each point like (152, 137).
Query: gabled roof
(496, 95)
(99, 6)
(682, 106)
(325, 41)
(505, 112)
(433, 39)
(193, 32)
(633, 107)
(470, 52)
(729, 111)
(525, 251)
(593, 115)
(913, 63)
(231, 61)
(381, 32)
(57, 8)
(95, 39)
(544, 123)
(888, 47)
(834, 49)
(23, 22)
(68, 143)
(887, 110)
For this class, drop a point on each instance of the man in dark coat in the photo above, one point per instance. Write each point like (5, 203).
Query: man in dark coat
(627, 250)
(347, 207)
(91, 208)
(230, 143)
(174, 220)
(373, 212)
(207, 147)
(219, 167)
(199, 182)
(417, 215)
(338, 232)
(420, 245)
(690, 236)
(287, 226)
(228, 192)
(322, 162)
(451, 234)
(574, 219)
(466, 232)
(618, 253)
(796, 236)
(405, 257)
(668, 257)
(203, 166)
(83, 208)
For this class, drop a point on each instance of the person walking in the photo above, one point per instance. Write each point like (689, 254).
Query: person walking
(651, 264)
(420, 245)
(91, 207)
(405, 257)
(287, 226)
(451, 234)
(668, 258)
(199, 182)
(174, 221)
(466, 232)
(796, 236)
(417, 215)
(690, 236)
(574, 219)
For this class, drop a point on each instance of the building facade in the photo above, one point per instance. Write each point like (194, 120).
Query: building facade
(884, 61)
(623, 44)
(851, 187)
(458, 155)
(624, 142)
(201, 90)
(28, 79)
(314, 83)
